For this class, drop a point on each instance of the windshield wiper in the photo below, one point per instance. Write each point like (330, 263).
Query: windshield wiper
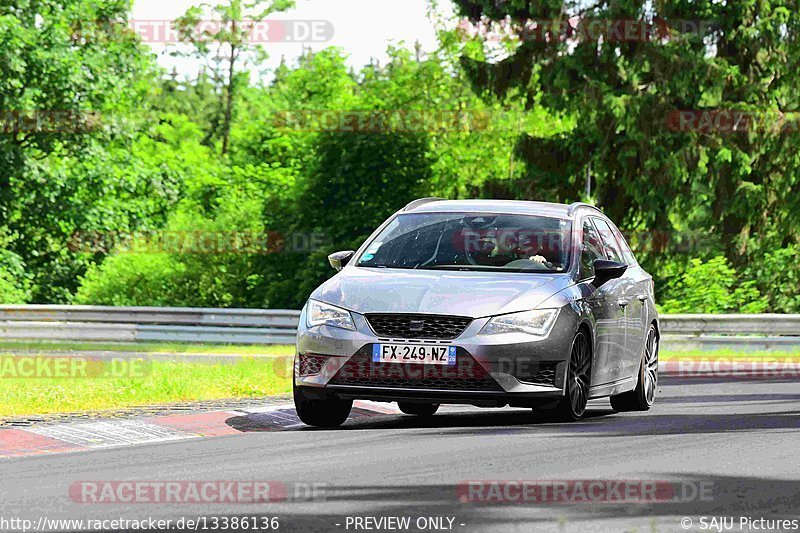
(485, 268)
(464, 268)
(386, 266)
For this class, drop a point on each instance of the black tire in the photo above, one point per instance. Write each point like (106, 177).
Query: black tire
(572, 406)
(321, 413)
(642, 397)
(418, 409)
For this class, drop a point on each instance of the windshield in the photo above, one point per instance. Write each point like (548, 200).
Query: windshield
(459, 241)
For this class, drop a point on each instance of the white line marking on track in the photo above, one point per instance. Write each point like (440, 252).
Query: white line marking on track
(111, 434)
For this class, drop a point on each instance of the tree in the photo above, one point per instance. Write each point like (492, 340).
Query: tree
(73, 78)
(741, 186)
(226, 44)
(66, 68)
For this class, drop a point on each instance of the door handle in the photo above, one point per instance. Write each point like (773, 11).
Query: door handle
(642, 297)
(623, 303)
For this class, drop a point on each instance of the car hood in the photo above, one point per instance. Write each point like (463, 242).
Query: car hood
(472, 294)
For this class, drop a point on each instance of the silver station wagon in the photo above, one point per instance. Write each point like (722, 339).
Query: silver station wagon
(481, 302)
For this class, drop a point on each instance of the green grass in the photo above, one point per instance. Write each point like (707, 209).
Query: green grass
(666, 355)
(161, 383)
(165, 382)
(150, 347)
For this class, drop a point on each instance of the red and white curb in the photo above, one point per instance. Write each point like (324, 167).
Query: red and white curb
(84, 436)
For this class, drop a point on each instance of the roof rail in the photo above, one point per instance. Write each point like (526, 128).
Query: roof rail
(422, 201)
(576, 205)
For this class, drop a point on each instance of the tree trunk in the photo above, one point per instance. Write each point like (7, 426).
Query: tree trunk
(229, 94)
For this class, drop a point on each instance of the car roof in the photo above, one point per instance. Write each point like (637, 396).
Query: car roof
(513, 207)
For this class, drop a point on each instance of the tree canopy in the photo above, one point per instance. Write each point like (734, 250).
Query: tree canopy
(114, 189)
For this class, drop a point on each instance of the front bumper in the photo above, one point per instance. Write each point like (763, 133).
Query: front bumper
(518, 368)
(477, 398)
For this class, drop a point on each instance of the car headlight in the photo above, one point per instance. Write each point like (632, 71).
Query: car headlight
(537, 323)
(319, 313)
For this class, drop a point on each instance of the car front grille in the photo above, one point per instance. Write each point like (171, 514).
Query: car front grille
(466, 375)
(409, 326)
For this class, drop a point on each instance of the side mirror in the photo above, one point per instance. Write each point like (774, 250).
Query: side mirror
(605, 271)
(339, 260)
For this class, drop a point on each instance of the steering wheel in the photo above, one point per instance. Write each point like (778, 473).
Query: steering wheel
(527, 264)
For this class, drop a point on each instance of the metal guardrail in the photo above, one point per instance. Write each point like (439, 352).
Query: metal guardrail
(766, 324)
(143, 324)
(257, 326)
(736, 332)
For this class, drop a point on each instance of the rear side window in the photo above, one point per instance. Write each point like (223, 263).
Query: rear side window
(591, 249)
(610, 243)
(626, 250)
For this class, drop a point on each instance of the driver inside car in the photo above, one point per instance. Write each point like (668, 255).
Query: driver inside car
(506, 250)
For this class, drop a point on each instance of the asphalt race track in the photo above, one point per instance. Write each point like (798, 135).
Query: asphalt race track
(721, 448)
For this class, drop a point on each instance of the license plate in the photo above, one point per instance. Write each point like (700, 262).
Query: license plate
(421, 354)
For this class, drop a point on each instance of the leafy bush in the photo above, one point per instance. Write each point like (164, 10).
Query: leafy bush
(778, 277)
(15, 286)
(193, 262)
(134, 279)
(712, 287)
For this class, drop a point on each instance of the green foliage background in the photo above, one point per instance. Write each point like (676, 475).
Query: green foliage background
(714, 216)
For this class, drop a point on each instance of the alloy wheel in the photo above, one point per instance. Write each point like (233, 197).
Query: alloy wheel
(578, 378)
(651, 366)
